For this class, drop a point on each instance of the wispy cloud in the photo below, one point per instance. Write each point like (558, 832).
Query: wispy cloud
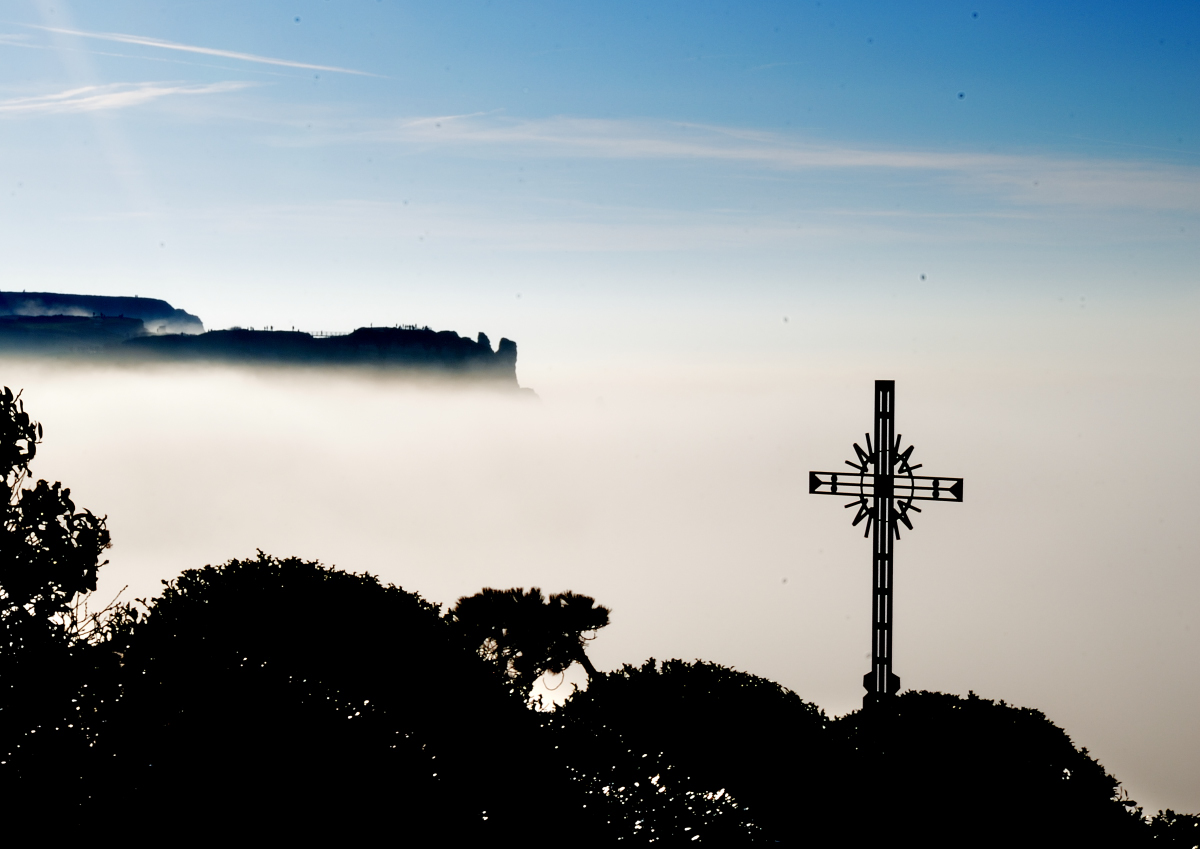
(14, 39)
(145, 41)
(23, 40)
(615, 139)
(1037, 179)
(113, 96)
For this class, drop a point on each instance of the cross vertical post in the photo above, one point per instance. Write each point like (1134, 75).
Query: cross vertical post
(883, 487)
(881, 680)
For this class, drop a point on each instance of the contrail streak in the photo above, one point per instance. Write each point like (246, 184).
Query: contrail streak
(207, 51)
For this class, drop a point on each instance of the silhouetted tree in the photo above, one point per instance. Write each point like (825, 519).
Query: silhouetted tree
(1168, 828)
(525, 635)
(293, 699)
(48, 552)
(971, 772)
(682, 750)
(49, 556)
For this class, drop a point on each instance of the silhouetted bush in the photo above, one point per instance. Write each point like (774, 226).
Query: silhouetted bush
(684, 750)
(971, 772)
(1168, 828)
(294, 699)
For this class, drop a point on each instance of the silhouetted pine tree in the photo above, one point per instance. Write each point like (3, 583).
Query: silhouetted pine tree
(524, 635)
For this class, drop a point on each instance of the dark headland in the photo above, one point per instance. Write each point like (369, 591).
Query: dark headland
(48, 324)
(155, 316)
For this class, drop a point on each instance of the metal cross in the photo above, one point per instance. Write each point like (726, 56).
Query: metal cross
(884, 497)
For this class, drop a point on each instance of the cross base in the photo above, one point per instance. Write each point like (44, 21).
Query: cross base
(873, 695)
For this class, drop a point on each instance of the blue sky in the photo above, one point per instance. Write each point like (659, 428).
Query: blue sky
(250, 161)
(708, 227)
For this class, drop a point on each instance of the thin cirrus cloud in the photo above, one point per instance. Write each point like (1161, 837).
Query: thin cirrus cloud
(162, 44)
(97, 98)
(1033, 179)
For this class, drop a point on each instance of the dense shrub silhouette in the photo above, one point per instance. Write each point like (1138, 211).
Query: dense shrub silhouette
(972, 772)
(677, 750)
(295, 699)
(1168, 828)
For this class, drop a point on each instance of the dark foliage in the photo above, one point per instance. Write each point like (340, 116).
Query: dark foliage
(48, 552)
(972, 772)
(678, 751)
(49, 556)
(524, 635)
(1168, 828)
(295, 700)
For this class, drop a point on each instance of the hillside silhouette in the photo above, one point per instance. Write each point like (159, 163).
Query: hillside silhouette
(131, 330)
(282, 699)
(156, 316)
(381, 347)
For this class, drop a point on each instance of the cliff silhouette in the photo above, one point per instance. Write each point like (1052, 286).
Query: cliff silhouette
(404, 347)
(46, 324)
(156, 316)
(66, 335)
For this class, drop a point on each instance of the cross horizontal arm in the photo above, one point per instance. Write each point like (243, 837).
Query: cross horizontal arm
(904, 487)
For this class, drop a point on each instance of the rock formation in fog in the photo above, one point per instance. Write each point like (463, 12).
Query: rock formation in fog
(386, 347)
(147, 329)
(156, 316)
